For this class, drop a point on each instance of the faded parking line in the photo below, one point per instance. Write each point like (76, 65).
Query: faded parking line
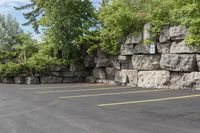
(151, 100)
(82, 90)
(109, 94)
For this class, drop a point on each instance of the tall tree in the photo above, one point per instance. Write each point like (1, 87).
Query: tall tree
(9, 30)
(65, 22)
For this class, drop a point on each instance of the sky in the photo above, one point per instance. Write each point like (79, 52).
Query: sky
(6, 7)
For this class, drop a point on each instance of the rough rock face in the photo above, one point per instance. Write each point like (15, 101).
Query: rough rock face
(163, 48)
(8, 80)
(19, 80)
(73, 80)
(127, 49)
(114, 63)
(154, 79)
(110, 73)
(194, 80)
(129, 77)
(131, 39)
(102, 62)
(146, 62)
(90, 79)
(59, 68)
(178, 32)
(51, 80)
(82, 74)
(89, 62)
(198, 61)
(32, 80)
(141, 49)
(182, 47)
(178, 62)
(164, 36)
(67, 74)
(99, 73)
(118, 76)
(179, 80)
(122, 58)
(185, 81)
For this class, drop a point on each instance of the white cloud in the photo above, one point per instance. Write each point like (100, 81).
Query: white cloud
(6, 6)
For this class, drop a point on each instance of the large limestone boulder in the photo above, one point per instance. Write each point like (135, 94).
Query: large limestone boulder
(164, 36)
(185, 80)
(129, 77)
(82, 74)
(110, 73)
(60, 68)
(123, 58)
(198, 61)
(19, 80)
(32, 80)
(99, 73)
(179, 80)
(194, 80)
(154, 79)
(146, 62)
(141, 49)
(133, 39)
(67, 74)
(127, 49)
(77, 67)
(90, 79)
(8, 80)
(89, 62)
(163, 48)
(182, 48)
(118, 76)
(73, 80)
(102, 62)
(178, 32)
(178, 62)
(51, 80)
(115, 63)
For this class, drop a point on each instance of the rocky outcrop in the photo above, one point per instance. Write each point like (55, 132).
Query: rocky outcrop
(146, 62)
(154, 79)
(178, 62)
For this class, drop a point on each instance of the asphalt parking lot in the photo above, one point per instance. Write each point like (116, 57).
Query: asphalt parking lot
(96, 108)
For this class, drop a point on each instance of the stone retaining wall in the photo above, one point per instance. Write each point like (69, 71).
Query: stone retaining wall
(174, 64)
(168, 63)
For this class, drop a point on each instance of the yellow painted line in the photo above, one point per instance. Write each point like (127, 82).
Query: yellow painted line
(82, 90)
(64, 87)
(109, 94)
(151, 100)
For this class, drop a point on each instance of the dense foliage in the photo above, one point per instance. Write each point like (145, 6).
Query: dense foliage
(9, 30)
(65, 22)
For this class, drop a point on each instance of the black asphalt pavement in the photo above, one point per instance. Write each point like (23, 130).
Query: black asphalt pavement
(96, 108)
